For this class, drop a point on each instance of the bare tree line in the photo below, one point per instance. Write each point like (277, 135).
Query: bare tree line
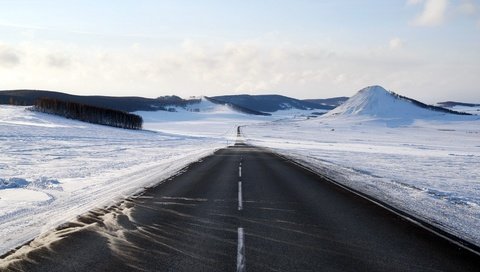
(87, 113)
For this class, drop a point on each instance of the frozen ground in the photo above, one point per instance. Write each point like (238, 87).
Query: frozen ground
(52, 169)
(424, 164)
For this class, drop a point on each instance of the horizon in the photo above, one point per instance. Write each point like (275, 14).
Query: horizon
(423, 49)
(237, 94)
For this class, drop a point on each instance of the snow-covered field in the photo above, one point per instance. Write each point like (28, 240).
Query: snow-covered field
(423, 162)
(53, 169)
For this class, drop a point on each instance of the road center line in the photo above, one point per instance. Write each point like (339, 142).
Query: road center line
(240, 201)
(240, 171)
(240, 252)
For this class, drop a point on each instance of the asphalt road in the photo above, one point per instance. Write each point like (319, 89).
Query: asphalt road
(243, 209)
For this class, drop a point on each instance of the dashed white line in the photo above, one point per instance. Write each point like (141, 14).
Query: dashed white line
(240, 252)
(240, 201)
(241, 244)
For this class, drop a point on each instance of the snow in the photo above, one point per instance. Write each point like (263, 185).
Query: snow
(53, 169)
(425, 163)
(207, 119)
(204, 119)
(411, 158)
(22, 196)
(378, 103)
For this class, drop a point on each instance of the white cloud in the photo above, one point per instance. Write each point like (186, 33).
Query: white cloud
(238, 67)
(396, 43)
(9, 57)
(433, 13)
(58, 60)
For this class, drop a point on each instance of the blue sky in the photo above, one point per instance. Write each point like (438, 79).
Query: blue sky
(427, 49)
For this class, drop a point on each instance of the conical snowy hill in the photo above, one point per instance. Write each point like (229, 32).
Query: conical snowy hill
(375, 101)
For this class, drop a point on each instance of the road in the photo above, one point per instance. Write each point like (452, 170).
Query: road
(243, 209)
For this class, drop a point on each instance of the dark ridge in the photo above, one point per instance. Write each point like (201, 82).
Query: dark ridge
(429, 107)
(450, 104)
(126, 103)
(269, 103)
(236, 107)
(173, 100)
(331, 102)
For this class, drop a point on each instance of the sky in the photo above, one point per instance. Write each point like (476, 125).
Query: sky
(426, 49)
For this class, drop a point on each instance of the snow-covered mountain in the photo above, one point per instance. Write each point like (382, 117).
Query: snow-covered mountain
(200, 108)
(375, 101)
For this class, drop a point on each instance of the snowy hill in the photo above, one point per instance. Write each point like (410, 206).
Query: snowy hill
(210, 102)
(375, 101)
(200, 109)
(271, 103)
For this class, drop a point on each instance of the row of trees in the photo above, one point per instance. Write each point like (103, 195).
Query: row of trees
(91, 114)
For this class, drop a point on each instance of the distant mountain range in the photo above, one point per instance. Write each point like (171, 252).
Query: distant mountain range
(273, 103)
(451, 104)
(127, 103)
(249, 104)
(329, 102)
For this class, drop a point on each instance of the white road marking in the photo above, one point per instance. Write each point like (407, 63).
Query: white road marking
(241, 252)
(240, 201)
(241, 245)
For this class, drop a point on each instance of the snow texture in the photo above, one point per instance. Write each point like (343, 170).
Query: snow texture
(53, 169)
(411, 158)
